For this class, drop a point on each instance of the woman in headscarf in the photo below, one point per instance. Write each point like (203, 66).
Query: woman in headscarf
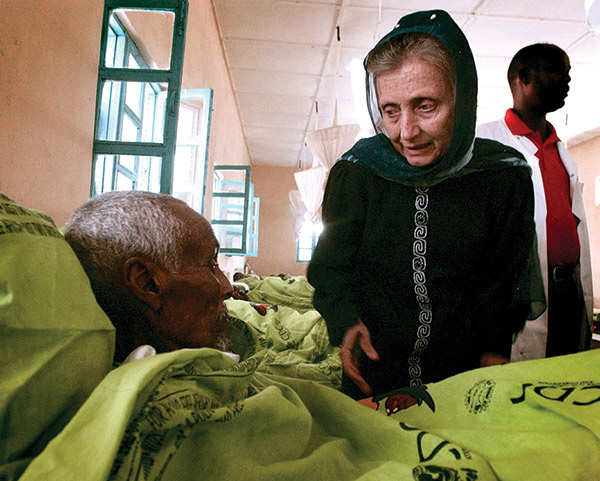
(421, 269)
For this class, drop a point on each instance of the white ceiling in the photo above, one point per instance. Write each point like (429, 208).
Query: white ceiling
(285, 60)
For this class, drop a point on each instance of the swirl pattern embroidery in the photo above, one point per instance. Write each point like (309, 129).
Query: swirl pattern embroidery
(419, 264)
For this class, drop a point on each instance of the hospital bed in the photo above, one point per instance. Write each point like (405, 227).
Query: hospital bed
(276, 414)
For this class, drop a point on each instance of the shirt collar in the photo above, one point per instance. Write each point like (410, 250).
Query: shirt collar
(518, 127)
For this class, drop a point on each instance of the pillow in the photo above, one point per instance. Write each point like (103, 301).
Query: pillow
(57, 343)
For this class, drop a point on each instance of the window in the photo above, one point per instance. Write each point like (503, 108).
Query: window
(235, 210)
(139, 78)
(307, 240)
(191, 153)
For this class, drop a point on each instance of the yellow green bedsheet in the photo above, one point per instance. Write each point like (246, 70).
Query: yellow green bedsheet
(196, 414)
(290, 291)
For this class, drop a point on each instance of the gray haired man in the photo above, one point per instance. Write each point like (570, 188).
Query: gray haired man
(152, 264)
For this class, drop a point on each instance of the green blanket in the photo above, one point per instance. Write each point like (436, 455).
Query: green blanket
(196, 414)
(291, 291)
(295, 345)
(56, 343)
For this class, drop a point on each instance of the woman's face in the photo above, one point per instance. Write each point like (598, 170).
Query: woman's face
(417, 105)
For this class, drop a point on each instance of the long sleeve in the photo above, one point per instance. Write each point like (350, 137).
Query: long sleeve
(332, 271)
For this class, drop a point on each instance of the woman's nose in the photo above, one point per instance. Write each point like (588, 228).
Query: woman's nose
(409, 126)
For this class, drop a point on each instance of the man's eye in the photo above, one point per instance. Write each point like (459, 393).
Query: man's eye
(427, 107)
(212, 265)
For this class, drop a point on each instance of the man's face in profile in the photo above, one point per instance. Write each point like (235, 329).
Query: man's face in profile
(193, 313)
(552, 82)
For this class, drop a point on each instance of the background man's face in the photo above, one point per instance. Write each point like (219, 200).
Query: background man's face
(551, 83)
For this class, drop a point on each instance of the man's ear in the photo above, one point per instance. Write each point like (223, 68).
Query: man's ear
(525, 75)
(145, 280)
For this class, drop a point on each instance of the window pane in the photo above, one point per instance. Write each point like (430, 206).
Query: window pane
(127, 161)
(228, 208)
(231, 186)
(305, 242)
(190, 153)
(134, 98)
(149, 169)
(231, 203)
(188, 176)
(233, 181)
(141, 121)
(132, 62)
(124, 182)
(103, 173)
(129, 131)
(229, 237)
(304, 255)
(111, 46)
(109, 111)
(151, 32)
(142, 173)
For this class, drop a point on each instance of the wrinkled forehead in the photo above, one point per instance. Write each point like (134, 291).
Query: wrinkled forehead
(199, 239)
(202, 241)
(428, 76)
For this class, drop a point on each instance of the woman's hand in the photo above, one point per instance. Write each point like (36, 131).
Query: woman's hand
(357, 339)
(492, 359)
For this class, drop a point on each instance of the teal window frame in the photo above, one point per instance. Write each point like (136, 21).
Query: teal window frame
(225, 194)
(253, 227)
(164, 150)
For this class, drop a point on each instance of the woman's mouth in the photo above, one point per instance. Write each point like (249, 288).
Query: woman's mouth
(417, 149)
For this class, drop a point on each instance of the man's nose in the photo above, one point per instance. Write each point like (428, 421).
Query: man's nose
(226, 287)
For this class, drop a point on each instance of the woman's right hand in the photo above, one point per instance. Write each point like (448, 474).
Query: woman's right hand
(357, 339)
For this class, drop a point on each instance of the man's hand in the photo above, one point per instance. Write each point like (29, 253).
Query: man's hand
(357, 339)
(492, 359)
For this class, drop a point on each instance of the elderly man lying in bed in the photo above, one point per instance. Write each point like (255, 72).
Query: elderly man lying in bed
(152, 263)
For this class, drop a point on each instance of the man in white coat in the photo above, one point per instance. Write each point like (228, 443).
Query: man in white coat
(539, 79)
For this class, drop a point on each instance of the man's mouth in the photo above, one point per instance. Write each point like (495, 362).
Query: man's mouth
(222, 320)
(222, 342)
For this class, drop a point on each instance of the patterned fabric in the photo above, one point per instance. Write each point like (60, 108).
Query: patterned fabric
(295, 344)
(291, 291)
(419, 264)
(196, 414)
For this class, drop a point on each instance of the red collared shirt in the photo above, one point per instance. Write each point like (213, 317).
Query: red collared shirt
(561, 225)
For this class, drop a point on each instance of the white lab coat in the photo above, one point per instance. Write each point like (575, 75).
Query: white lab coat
(530, 343)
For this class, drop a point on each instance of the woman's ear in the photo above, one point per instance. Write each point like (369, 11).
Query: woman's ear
(145, 280)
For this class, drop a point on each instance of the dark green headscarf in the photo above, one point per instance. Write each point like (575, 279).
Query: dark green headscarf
(464, 155)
